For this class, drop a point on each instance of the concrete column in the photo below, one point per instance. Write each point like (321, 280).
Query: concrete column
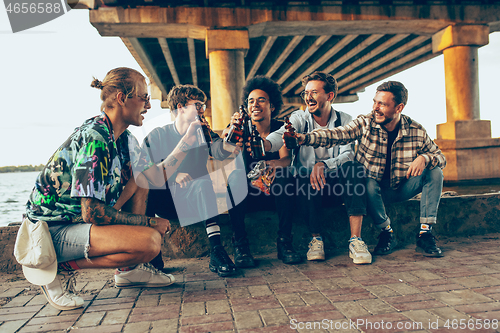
(465, 139)
(226, 50)
(462, 84)
(227, 77)
(459, 45)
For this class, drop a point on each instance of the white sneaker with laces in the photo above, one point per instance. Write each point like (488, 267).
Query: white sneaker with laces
(358, 251)
(61, 292)
(316, 250)
(143, 276)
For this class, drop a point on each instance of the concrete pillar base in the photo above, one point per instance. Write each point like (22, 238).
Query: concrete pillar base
(464, 129)
(470, 159)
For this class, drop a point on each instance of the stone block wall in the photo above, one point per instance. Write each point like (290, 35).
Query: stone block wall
(460, 216)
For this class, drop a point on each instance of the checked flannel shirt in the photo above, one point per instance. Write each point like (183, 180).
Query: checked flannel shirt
(411, 142)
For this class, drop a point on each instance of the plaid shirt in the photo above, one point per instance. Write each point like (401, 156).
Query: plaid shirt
(412, 141)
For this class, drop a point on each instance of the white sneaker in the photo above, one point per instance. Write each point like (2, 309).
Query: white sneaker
(61, 292)
(358, 251)
(316, 250)
(143, 276)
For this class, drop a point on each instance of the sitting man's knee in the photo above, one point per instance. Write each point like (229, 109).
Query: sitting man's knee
(436, 174)
(372, 186)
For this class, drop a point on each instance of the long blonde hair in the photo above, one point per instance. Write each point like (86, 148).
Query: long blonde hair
(119, 79)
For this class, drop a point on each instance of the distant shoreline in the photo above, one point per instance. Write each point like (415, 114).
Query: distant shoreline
(21, 168)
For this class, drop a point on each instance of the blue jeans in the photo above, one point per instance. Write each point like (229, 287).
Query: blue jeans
(430, 183)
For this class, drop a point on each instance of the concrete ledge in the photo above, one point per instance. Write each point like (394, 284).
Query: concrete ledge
(459, 216)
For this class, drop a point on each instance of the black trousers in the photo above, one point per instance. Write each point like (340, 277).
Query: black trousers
(257, 200)
(347, 182)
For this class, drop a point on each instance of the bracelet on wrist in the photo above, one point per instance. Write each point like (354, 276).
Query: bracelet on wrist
(307, 138)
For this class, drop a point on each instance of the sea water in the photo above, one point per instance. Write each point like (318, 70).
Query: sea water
(15, 188)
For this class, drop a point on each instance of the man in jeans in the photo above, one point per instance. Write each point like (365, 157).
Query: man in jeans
(401, 161)
(324, 171)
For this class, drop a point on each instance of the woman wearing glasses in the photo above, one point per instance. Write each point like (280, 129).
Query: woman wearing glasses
(82, 194)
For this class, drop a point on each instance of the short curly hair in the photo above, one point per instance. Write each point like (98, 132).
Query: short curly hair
(397, 89)
(271, 88)
(181, 94)
(330, 82)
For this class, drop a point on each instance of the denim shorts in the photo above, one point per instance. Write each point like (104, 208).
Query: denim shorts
(71, 241)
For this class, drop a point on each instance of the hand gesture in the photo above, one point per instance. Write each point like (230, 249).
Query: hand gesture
(317, 177)
(183, 179)
(416, 167)
(162, 225)
(235, 117)
(191, 131)
(301, 138)
(271, 168)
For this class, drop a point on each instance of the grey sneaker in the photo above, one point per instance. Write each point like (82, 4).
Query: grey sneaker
(316, 250)
(61, 292)
(143, 276)
(358, 251)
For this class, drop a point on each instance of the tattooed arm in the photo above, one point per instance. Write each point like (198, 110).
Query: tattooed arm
(98, 213)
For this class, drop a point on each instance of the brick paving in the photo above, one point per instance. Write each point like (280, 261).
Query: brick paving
(398, 293)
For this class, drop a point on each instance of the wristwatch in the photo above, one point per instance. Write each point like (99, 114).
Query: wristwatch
(152, 222)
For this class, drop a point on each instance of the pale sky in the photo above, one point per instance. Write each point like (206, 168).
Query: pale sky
(46, 73)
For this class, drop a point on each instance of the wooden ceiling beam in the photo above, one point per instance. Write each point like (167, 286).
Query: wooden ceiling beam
(324, 58)
(143, 60)
(361, 82)
(343, 84)
(286, 52)
(375, 52)
(262, 55)
(308, 53)
(170, 61)
(347, 56)
(192, 60)
(155, 21)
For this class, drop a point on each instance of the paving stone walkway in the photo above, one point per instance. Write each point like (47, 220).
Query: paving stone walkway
(399, 292)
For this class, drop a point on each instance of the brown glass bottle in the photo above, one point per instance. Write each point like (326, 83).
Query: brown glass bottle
(236, 131)
(257, 144)
(204, 135)
(246, 122)
(290, 137)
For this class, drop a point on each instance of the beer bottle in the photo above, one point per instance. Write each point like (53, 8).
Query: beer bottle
(236, 131)
(204, 135)
(246, 123)
(257, 144)
(290, 137)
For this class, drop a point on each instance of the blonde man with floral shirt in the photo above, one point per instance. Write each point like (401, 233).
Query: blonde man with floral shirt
(401, 160)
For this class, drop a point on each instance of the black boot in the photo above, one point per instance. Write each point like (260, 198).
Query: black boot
(426, 244)
(386, 243)
(286, 253)
(220, 262)
(242, 256)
